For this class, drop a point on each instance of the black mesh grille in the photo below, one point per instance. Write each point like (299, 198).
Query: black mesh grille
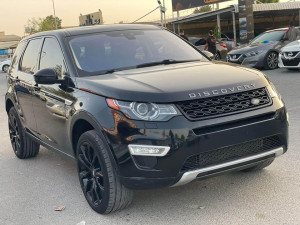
(223, 105)
(230, 153)
(292, 62)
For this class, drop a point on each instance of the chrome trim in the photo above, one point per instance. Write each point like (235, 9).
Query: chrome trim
(234, 60)
(285, 54)
(192, 175)
(166, 150)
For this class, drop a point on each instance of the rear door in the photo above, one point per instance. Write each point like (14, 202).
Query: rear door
(24, 82)
(51, 103)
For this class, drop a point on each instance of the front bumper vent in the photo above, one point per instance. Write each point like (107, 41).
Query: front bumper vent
(231, 153)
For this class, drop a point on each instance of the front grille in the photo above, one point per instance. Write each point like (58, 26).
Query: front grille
(235, 56)
(288, 54)
(234, 152)
(292, 62)
(223, 105)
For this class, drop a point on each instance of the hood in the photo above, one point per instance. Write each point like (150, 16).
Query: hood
(292, 47)
(242, 49)
(172, 83)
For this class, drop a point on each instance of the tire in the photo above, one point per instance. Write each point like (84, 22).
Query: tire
(97, 175)
(271, 61)
(259, 166)
(5, 68)
(217, 56)
(24, 147)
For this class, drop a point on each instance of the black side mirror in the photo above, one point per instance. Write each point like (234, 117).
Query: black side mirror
(46, 76)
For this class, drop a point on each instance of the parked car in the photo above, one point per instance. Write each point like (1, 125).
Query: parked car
(5, 65)
(289, 56)
(201, 42)
(261, 52)
(139, 108)
(229, 42)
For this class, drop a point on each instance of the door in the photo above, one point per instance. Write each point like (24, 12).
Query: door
(51, 103)
(22, 77)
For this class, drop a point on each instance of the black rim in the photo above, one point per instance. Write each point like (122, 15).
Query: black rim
(90, 174)
(5, 69)
(14, 133)
(272, 60)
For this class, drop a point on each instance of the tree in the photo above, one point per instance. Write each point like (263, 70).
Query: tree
(206, 8)
(42, 24)
(48, 23)
(33, 25)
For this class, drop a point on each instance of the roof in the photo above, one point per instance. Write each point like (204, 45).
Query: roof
(95, 29)
(258, 9)
(9, 38)
(9, 44)
(276, 6)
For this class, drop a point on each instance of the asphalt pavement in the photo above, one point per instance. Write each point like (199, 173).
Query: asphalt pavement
(31, 189)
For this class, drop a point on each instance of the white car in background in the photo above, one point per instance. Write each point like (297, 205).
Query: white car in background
(5, 65)
(289, 56)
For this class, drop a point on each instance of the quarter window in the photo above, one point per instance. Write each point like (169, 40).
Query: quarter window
(30, 57)
(52, 57)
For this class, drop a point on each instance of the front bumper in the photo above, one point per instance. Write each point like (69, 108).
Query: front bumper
(289, 62)
(256, 61)
(187, 139)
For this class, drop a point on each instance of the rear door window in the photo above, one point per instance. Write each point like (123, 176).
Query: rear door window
(30, 58)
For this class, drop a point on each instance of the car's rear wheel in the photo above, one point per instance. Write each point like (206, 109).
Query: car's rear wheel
(23, 146)
(271, 61)
(5, 68)
(97, 175)
(259, 166)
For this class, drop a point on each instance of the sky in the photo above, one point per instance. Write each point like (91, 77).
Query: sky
(14, 14)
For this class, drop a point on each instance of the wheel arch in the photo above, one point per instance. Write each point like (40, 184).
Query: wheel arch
(82, 122)
(8, 104)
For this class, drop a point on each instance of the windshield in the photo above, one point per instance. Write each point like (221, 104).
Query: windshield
(269, 36)
(117, 50)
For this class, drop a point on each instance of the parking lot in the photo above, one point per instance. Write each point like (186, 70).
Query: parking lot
(31, 189)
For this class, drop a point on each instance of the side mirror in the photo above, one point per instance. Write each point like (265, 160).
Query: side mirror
(46, 76)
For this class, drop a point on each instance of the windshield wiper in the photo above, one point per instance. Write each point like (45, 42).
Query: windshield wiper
(165, 62)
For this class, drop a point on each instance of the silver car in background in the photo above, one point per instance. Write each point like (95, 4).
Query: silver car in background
(289, 56)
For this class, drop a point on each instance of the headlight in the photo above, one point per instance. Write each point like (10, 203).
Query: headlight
(273, 91)
(253, 53)
(144, 111)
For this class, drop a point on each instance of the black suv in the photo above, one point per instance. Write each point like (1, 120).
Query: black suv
(138, 108)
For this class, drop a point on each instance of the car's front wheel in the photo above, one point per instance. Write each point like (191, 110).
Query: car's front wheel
(271, 61)
(97, 175)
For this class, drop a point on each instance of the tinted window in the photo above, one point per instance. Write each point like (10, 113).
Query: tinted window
(30, 58)
(52, 57)
(125, 49)
(18, 53)
(269, 36)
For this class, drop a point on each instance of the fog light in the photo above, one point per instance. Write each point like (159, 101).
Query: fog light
(148, 150)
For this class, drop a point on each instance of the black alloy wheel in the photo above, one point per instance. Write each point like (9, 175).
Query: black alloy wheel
(5, 68)
(24, 147)
(217, 56)
(271, 61)
(90, 174)
(98, 176)
(14, 133)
